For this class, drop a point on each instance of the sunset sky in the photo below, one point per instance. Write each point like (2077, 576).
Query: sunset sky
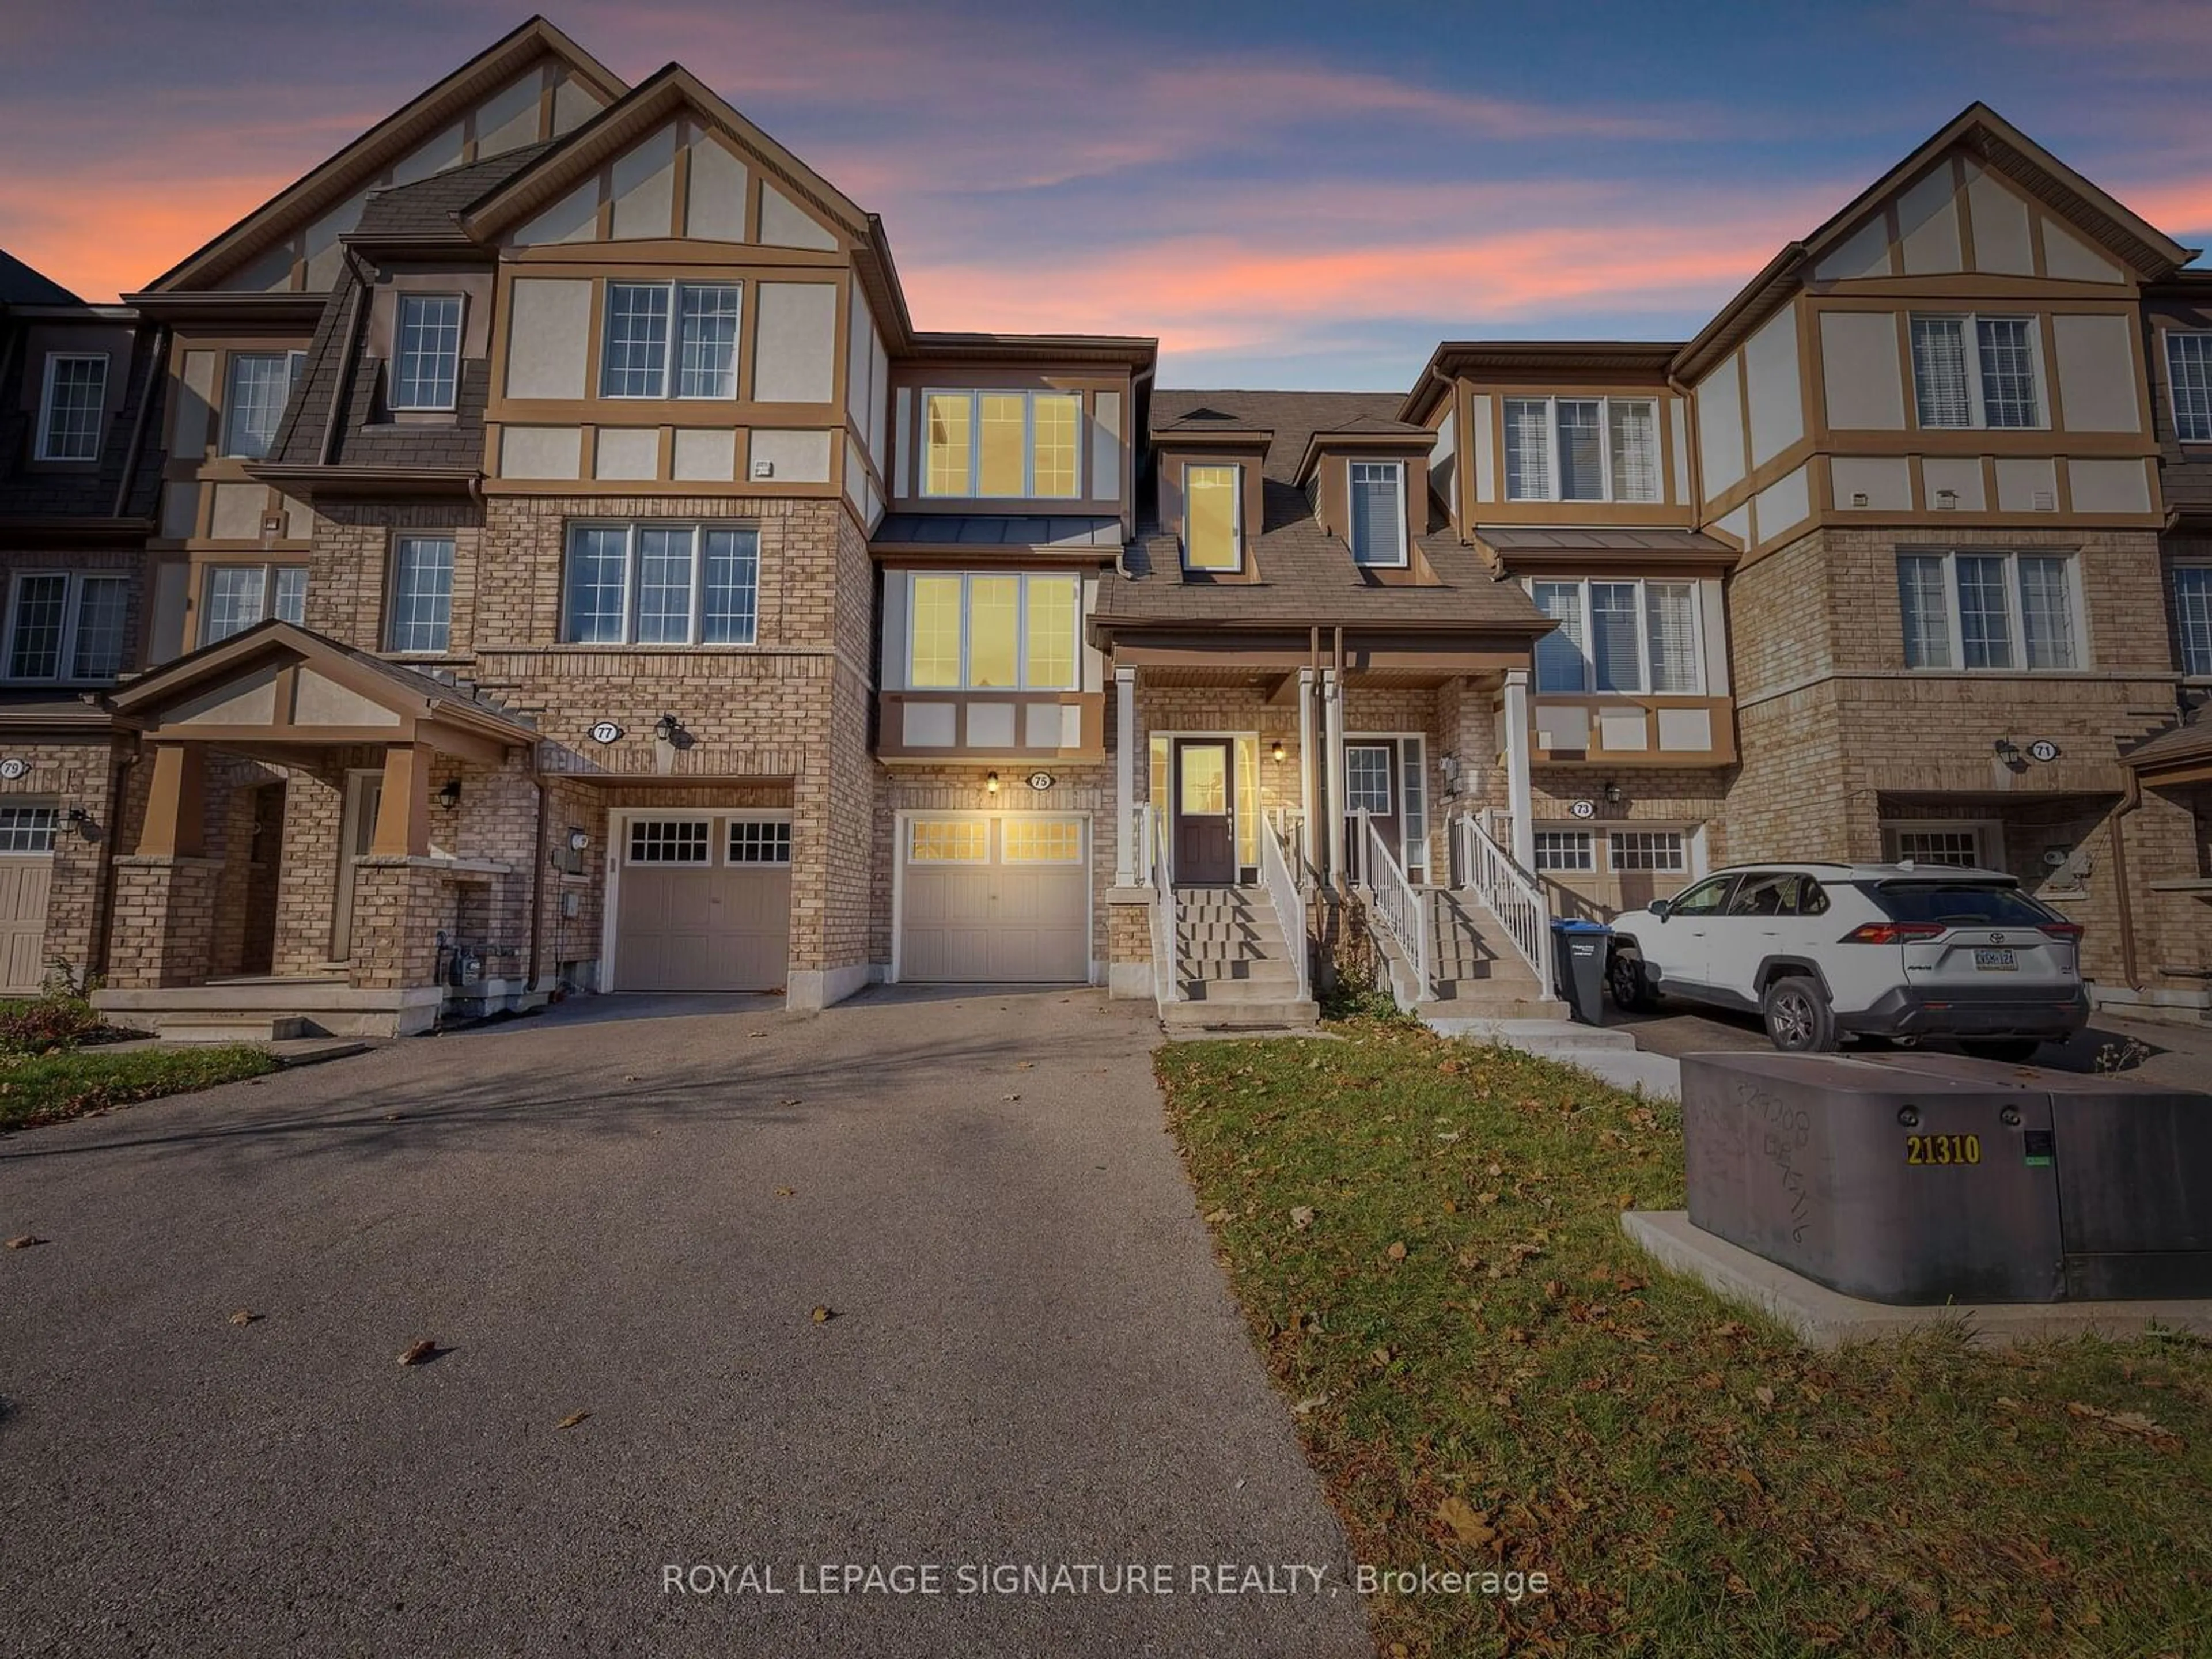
(1287, 193)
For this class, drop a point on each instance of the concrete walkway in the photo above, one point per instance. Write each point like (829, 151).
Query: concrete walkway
(630, 1212)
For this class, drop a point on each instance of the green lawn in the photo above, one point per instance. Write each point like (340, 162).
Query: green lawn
(1489, 1376)
(70, 1082)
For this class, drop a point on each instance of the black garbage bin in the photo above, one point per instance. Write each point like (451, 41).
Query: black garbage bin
(1578, 953)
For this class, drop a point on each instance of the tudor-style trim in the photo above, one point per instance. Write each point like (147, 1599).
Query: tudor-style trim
(334, 180)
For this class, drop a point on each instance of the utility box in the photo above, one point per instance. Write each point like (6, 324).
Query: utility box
(1923, 1179)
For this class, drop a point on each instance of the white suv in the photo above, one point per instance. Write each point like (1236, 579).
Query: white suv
(1821, 951)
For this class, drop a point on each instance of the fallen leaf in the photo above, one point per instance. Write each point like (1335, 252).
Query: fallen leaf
(1501, 1398)
(1025, 1066)
(629, 1077)
(1486, 1198)
(1763, 1394)
(572, 1419)
(1397, 1251)
(1313, 1403)
(244, 1316)
(2133, 1423)
(1001, 1097)
(1382, 1356)
(785, 1192)
(1448, 1135)
(25, 1242)
(418, 1351)
(1495, 1170)
(1215, 1218)
(1302, 1218)
(824, 1315)
(1467, 1526)
(1451, 1206)
(393, 1117)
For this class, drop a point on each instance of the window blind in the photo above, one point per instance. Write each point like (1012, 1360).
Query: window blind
(1612, 636)
(1939, 372)
(2008, 371)
(1920, 600)
(1559, 662)
(1635, 451)
(2047, 613)
(1985, 629)
(2192, 615)
(1671, 635)
(1582, 453)
(1377, 524)
(1528, 450)
(2189, 366)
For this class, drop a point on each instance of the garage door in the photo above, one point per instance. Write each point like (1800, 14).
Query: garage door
(704, 903)
(1000, 899)
(27, 878)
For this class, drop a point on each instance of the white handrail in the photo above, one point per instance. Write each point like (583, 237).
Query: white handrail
(1290, 903)
(1159, 868)
(1508, 892)
(1396, 902)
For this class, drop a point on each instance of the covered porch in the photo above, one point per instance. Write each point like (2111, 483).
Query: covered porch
(325, 844)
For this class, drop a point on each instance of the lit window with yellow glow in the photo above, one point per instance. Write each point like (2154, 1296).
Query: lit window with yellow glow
(994, 626)
(935, 660)
(1049, 632)
(1057, 420)
(1009, 632)
(947, 443)
(1212, 518)
(1002, 446)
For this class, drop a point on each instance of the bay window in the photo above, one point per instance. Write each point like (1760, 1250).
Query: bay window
(1631, 637)
(1213, 517)
(426, 358)
(66, 626)
(1977, 372)
(257, 385)
(1009, 632)
(670, 340)
(1009, 444)
(661, 584)
(1581, 449)
(70, 405)
(2001, 610)
(2189, 377)
(234, 596)
(1378, 512)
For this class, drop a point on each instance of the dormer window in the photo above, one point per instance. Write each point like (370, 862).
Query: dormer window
(427, 365)
(1213, 517)
(1376, 518)
(70, 407)
(1581, 449)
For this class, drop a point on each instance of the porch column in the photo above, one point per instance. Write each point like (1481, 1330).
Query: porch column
(176, 808)
(1125, 777)
(1308, 762)
(1520, 800)
(1332, 692)
(403, 812)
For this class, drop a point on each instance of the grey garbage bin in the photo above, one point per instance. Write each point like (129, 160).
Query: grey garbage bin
(1578, 954)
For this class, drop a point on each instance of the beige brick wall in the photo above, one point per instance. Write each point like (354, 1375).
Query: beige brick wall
(165, 914)
(65, 775)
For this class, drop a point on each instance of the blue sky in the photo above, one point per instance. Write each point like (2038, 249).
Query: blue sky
(1287, 194)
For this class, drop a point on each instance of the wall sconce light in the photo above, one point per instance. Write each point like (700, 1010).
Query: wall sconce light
(450, 796)
(81, 821)
(666, 727)
(1612, 793)
(991, 782)
(1276, 753)
(2007, 750)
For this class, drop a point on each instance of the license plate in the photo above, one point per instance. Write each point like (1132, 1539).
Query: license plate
(1997, 961)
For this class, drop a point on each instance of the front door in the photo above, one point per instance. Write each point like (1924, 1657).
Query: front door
(356, 836)
(1204, 821)
(1370, 782)
(263, 872)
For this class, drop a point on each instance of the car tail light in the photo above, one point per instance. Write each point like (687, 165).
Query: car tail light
(2069, 931)
(1892, 933)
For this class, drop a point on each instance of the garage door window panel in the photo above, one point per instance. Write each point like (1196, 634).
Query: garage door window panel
(1043, 841)
(757, 841)
(26, 829)
(669, 841)
(949, 840)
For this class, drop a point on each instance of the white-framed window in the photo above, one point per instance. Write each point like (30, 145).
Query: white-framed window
(1631, 635)
(2192, 616)
(256, 387)
(1959, 846)
(2189, 380)
(661, 584)
(1996, 610)
(669, 841)
(759, 840)
(1653, 851)
(234, 596)
(1376, 515)
(426, 358)
(1040, 841)
(1565, 850)
(670, 340)
(1974, 371)
(1214, 517)
(26, 829)
(1581, 449)
(948, 840)
(1367, 779)
(982, 444)
(422, 594)
(64, 625)
(70, 404)
(996, 631)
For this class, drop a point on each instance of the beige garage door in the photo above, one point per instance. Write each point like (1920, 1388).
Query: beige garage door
(1000, 899)
(704, 903)
(26, 879)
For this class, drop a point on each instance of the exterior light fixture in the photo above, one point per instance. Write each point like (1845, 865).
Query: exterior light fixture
(450, 796)
(2007, 750)
(1612, 793)
(666, 727)
(991, 782)
(1277, 753)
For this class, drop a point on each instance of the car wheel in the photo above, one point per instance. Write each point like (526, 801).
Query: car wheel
(1798, 1018)
(2012, 1050)
(1624, 977)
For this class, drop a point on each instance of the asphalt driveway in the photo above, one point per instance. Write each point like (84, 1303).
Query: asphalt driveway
(1034, 1358)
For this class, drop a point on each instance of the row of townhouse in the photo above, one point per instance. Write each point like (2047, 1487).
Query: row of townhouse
(537, 549)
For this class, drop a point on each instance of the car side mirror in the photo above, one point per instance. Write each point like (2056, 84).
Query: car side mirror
(1659, 909)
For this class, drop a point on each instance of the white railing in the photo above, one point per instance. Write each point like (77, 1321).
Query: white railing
(1159, 872)
(1508, 893)
(1289, 900)
(1396, 902)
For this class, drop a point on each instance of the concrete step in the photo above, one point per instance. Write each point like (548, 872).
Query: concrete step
(1239, 989)
(1537, 1034)
(1282, 1014)
(1260, 972)
(1226, 933)
(234, 1028)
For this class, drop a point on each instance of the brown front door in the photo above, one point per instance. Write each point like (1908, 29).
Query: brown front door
(1205, 819)
(1371, 781)
(264, 871)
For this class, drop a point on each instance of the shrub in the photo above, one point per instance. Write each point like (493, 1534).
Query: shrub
(32, 1025)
